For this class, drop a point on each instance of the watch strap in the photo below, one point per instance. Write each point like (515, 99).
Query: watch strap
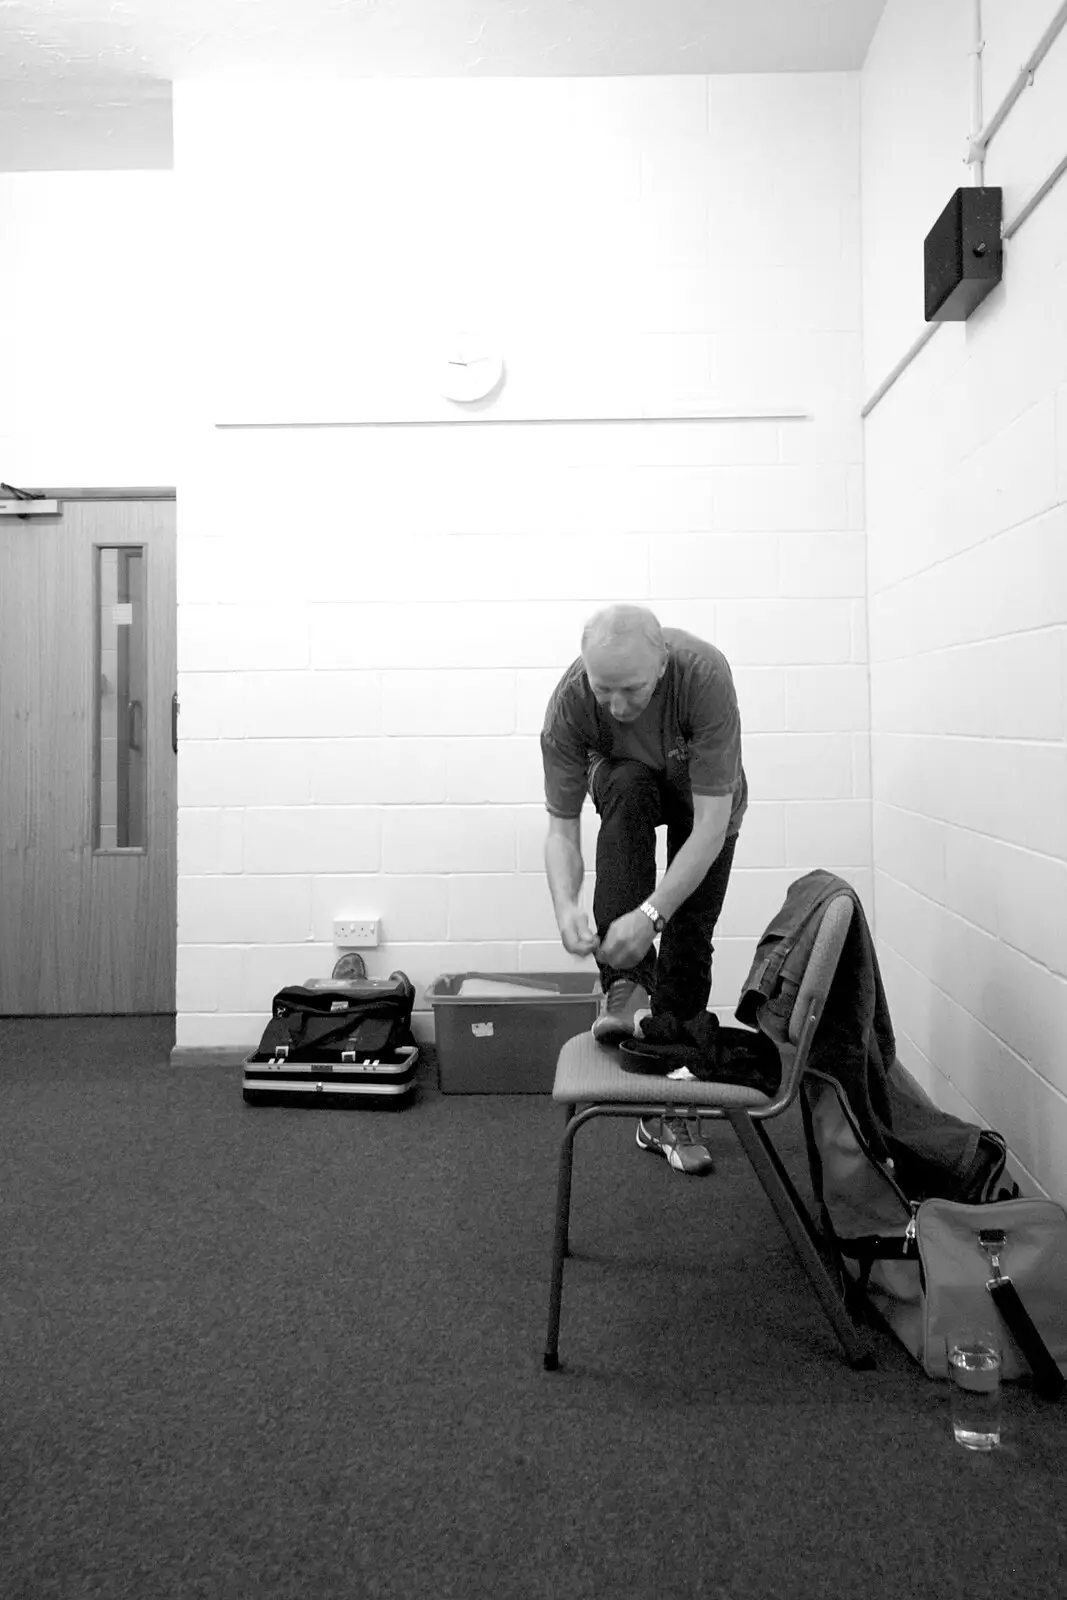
(658, 921)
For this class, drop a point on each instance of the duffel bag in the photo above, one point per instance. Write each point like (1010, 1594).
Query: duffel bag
(368, 1015)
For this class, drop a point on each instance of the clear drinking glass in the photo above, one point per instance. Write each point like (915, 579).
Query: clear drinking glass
(974, 1364)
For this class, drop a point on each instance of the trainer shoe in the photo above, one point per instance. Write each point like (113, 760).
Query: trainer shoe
(350, 965)
(677, 1138)
(619, 1011)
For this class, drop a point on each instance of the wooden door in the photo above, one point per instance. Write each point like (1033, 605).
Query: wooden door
(87, 767)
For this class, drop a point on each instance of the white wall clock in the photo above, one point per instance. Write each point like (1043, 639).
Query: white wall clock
(470, 369)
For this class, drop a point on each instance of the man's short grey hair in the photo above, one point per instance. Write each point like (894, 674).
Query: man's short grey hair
(617, 623)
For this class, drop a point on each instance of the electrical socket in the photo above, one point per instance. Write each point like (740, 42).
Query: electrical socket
(355, 933)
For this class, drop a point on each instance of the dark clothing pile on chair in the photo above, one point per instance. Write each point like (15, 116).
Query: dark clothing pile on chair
(710, 1052)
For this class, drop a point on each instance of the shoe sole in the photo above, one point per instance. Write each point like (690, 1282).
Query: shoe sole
(606, 1030)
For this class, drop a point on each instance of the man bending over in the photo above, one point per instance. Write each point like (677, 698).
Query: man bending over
(646, 722)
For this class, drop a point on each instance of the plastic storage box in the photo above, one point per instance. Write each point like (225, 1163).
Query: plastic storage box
(508, 1044)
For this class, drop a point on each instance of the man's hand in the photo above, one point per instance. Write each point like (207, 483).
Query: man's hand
(577, 932)
(627, 940)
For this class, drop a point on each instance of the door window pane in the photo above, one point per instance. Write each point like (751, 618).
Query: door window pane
(119, 819)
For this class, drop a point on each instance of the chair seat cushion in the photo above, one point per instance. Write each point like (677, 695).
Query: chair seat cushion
(587, 1072)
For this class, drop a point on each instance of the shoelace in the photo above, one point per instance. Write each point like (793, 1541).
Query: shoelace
(686, 1130)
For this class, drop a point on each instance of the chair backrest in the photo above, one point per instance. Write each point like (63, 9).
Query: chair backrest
(794, 1042)
(821, 966)
(794, 1036)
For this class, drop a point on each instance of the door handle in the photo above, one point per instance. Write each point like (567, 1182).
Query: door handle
(174, 722)
(132, 730)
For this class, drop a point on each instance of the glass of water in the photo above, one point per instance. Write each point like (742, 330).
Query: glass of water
(974, 1363)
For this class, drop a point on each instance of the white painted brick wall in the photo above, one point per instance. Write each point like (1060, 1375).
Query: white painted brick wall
(410, 908)
(372, 619)
(438, 704)
(799, 766)
(453, 839)
(212, 839)
(975, 689)
(761, 698)
(273, 909)
(109, 329)
(339, 839)
(967, 531)
(307, 705)
(786, 632)
(377, 771)
(487, 771)
(761, 842)
(238, 772)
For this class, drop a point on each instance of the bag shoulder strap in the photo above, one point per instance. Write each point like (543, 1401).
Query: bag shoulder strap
(1049, 1381)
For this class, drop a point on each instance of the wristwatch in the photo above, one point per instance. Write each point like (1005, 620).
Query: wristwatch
(658, 922)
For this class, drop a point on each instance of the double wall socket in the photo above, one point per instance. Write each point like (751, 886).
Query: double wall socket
(355, 932)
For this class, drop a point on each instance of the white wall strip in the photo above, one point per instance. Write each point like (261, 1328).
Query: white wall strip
(772, 414)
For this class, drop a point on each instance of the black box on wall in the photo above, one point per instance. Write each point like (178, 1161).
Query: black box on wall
(963, 254)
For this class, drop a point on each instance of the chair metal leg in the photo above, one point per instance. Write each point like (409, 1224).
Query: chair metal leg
(561, 1238)
(793, 1215)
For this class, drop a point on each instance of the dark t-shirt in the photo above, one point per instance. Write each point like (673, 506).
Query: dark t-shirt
(690, 730)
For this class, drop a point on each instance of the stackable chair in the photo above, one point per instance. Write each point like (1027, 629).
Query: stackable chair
(588, 1076)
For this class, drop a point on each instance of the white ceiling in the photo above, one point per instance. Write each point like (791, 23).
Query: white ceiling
(79, 76)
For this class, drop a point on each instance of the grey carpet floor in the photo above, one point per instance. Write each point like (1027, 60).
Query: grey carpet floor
(279, 1353)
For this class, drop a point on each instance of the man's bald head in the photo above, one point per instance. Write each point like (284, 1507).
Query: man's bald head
(625, 656)
(615, 625)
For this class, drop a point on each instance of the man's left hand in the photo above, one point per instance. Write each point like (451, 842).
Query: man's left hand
(627, 940)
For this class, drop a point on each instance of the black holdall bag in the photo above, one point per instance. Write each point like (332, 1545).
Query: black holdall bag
(368, 1015)
(346, 1040)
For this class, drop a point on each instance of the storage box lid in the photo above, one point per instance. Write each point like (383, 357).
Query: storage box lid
(512, 988)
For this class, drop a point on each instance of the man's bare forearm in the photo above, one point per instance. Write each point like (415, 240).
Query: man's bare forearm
(687, 871)
(565, 870)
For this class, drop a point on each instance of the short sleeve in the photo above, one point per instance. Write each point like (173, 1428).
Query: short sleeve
(564, 754)
(715, 730)
(565, 777)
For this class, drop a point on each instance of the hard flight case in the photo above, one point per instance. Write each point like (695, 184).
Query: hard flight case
(350, 1080)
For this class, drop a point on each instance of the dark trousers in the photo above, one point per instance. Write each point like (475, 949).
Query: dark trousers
(632, 801)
